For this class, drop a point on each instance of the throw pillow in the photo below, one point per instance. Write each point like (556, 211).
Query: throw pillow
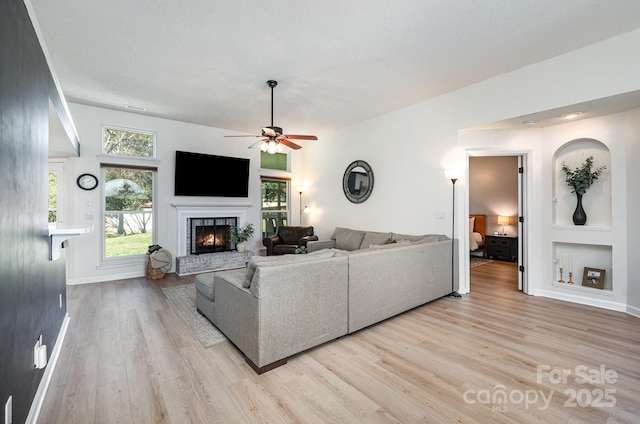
(374, 238)
(390, 245)
(429, 237)
(347, 239)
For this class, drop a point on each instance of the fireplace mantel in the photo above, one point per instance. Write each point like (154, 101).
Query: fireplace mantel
(187, 211)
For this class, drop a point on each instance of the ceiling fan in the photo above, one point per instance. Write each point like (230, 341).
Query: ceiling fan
(272, 137)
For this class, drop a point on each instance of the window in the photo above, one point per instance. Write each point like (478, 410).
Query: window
(128, 203)
(276, 161)
(275, 204)
(128, 210)
(127, 142)
(56, 176)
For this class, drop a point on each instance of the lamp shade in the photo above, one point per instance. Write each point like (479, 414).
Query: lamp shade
(503, 220)
(452, 174)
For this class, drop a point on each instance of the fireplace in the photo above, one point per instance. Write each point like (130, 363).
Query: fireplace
(210, 235)
(185, 212)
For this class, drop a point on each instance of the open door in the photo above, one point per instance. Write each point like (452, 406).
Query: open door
(522, 227)
(484, 197)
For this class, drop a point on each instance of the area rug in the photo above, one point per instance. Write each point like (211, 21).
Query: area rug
(183, 300)
(475, 261)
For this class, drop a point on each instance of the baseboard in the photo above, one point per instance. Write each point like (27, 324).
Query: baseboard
(102, 278)
(38, 400)
(599, 303)
(632, 310)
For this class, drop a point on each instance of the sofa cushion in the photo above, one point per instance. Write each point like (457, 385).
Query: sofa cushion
(204, 284)
(375, 238)
(348, 239)
(256, 261)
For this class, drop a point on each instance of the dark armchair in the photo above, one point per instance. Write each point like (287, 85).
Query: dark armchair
(288, 239)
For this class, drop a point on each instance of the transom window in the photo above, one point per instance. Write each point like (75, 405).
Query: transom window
(277, 161)
(120, 141)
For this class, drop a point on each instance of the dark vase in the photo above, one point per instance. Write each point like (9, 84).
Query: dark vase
(579, 216)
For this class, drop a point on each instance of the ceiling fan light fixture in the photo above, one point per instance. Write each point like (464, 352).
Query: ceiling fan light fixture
(272, 147)
(264, 146)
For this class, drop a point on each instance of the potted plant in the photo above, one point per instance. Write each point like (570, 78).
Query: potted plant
(580, 179)
(240, 235)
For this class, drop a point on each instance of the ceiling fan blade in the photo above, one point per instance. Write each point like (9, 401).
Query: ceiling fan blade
(287, 143)
(248, 135)
(256, 144)
(301, 137)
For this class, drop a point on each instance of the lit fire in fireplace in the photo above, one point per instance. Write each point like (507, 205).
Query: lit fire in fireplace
(210, 240)
(210, 235)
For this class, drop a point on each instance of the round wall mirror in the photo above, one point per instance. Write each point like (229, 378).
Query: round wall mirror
(357, 182)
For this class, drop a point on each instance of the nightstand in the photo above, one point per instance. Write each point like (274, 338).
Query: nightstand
(502, 247)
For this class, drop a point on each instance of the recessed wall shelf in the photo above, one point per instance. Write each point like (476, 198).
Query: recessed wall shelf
(581, 288)
(597, 199)
(574, 257)
(579, 228)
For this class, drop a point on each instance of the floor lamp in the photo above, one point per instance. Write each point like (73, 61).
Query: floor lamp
(453, 175)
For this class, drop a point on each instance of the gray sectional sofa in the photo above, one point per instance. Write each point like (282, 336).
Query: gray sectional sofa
(279, 306)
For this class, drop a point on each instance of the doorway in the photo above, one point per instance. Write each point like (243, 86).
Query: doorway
(496, 192)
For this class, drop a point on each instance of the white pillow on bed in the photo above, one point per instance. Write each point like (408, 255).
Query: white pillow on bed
(473, 245)
(472, 222)
(477, 237)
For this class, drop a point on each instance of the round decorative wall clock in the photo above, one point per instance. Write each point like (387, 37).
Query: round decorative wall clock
(87, 181)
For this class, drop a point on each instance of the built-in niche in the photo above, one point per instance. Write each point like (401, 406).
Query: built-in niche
(577, 247)
(574, 257)
(597, 201)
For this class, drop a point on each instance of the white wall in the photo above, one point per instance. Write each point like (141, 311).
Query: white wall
(632, 155)
(84, 257)
(409, 149)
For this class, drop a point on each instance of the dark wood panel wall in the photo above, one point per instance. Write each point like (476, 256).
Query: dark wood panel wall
(30, 284)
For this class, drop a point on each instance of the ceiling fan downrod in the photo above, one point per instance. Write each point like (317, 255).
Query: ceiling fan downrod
(272, 83)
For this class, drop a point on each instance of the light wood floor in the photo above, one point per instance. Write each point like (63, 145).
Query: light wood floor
(129, 358)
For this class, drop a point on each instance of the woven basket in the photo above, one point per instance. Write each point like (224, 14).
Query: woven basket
(153, 273)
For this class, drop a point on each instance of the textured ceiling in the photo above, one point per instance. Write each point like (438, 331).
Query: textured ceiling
(337, 62)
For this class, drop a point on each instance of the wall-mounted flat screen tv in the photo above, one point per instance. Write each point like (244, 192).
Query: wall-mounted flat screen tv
(198, 174)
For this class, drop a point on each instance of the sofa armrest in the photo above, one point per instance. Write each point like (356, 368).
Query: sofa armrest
(300, 305)
(304, 240)
(269, 242)
(315, 245)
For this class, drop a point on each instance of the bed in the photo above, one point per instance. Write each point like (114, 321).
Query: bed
(477, 231)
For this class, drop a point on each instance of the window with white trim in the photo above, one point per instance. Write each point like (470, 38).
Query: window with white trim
(275, 204)
(128, 224)
(56, 193)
